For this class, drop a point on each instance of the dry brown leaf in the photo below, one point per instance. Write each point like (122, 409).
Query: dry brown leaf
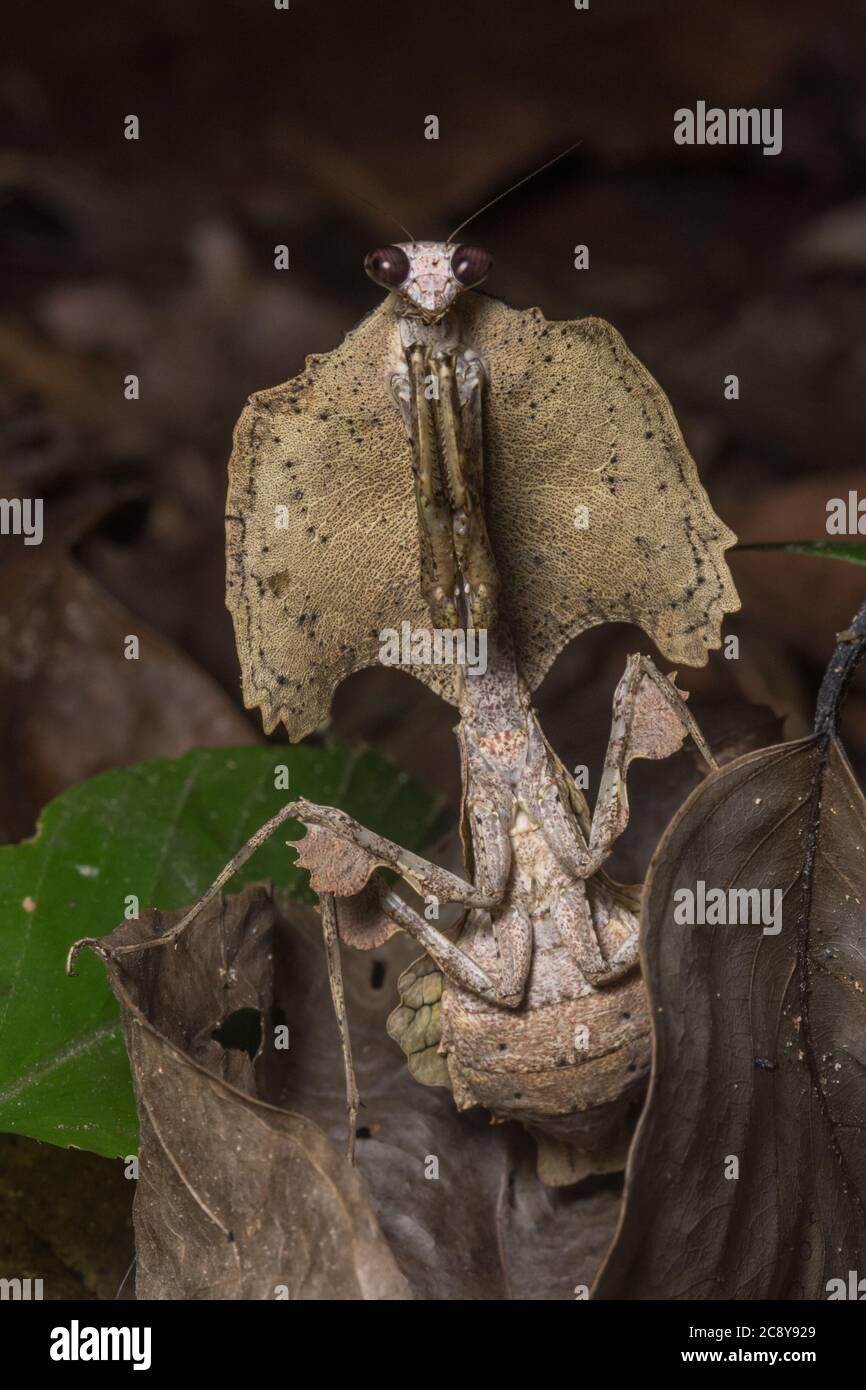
(236, 1198)
(747, 1176)
(247, 1136)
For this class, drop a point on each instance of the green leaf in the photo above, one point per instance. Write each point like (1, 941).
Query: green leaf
(852, 551)
(160, 830)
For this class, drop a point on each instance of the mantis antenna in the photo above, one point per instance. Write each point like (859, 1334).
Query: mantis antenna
(525, 179)
(540, 170)
(375, 206)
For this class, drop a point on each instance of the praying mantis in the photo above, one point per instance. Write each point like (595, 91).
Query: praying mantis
(461, 465)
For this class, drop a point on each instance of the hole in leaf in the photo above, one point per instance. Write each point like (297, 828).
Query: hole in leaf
(241, 1031)
(362, 1132)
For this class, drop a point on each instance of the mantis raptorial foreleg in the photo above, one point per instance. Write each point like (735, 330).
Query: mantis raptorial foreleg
(437, 562)
(457, 417)
(439, 392)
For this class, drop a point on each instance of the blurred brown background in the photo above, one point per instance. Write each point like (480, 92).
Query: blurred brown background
(259, 126)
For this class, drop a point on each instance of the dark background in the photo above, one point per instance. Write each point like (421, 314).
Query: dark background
(155, 257)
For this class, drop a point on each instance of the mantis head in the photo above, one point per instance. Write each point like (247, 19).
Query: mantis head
(428, 275)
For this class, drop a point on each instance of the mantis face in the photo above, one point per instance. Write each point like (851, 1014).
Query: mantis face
(428, 275)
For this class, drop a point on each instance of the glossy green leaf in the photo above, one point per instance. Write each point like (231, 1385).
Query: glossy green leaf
(158, 832)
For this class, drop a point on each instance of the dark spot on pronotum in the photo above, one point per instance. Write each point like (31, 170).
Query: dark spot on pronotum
(377, 974)
(362, 1132)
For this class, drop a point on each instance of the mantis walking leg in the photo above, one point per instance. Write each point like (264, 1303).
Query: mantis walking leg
(456, 964)
(328, 911)
(650, 720)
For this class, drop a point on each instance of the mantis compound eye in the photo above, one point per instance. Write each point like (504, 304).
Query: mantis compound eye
(470, 265)
(389, 267)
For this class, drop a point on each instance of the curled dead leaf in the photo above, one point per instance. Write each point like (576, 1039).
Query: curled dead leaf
(236, 1197)
(747, 1177)
(444, 1206)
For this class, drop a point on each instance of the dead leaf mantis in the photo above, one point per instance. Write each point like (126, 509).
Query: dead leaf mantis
(457, 464)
